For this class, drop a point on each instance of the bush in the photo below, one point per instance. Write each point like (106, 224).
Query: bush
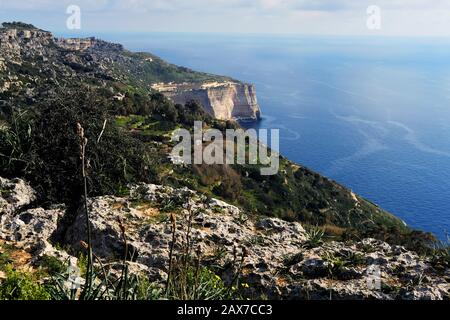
(42, 147)
(314, 237)
(230, 187)
(21, 286)
(198, 284)
(191, 112)
(440, 255)
(227, 180)
(16, 144)
(51, 265)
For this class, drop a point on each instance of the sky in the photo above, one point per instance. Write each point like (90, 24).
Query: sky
(315, 17)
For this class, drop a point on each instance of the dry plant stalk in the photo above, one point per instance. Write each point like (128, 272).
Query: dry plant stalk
(173, 220)
(82, 144)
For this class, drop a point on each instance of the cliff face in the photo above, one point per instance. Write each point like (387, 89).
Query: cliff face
(222, 100)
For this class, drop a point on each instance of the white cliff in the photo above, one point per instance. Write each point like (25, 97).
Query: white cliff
(222, 100)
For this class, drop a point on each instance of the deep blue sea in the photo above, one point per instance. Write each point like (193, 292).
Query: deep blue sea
(370, 113)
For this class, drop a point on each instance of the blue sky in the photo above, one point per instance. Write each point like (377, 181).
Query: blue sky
(325, 17)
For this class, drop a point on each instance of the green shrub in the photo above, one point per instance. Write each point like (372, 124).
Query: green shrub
(293, 259)
(21, 286)
(42, 147)
(4, 259)
(145, 290)
(198, 284)
(100, 284)
(314, 237)
(440, 255)
(51, 265)
(16, 145)
(335, 263)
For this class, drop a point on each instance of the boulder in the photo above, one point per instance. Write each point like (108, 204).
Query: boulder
(15, 194)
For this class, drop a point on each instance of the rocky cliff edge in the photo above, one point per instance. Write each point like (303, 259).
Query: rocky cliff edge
(222, 100)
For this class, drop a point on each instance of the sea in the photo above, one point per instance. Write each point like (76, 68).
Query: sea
(372, 113)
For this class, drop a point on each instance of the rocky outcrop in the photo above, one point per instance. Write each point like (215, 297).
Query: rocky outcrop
(25, 227)
(30, 40)
(32, 60)
(14, 194)
(280, 261)
(222, 100)
(82, 44)
(17, 41)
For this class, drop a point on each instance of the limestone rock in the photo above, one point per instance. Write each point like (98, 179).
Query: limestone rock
(31, 229)
(14, 194)
(222, 100)
(270, 253)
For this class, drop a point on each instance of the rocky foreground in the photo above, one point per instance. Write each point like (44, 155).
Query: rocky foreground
(281, 260)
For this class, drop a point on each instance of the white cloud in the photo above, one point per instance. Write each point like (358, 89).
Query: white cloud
(52, 5)
(399, 17)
